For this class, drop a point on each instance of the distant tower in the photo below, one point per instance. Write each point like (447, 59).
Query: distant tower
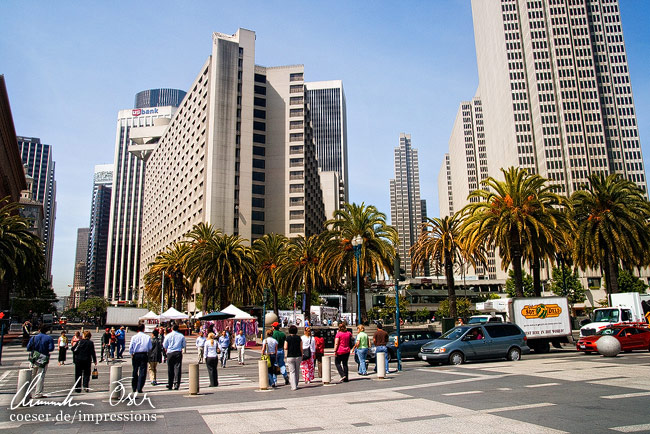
(405, 203)
(81, 258)
(97, 244)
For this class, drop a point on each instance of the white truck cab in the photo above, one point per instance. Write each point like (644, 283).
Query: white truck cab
(625, 309)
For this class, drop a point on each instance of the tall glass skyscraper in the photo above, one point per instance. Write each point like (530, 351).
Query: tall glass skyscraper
(159, 98)
(37, 158)
(97, 244)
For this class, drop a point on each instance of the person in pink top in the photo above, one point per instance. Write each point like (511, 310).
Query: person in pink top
(342, 347)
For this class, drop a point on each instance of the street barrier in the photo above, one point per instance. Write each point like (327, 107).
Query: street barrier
(381, 364)
(194, 378)
(263, 371)
(24, 378)
(327, 369)
(114, 378)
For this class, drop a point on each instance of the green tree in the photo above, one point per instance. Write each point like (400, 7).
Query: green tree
(463, 308)
(94, 307)
(377, 250)
(389, 309)
(611, 216)
(171, 262)
(628, 282)
(269, 255)
(488, 296)
(566, 283)
(527, 282)
(513, 215)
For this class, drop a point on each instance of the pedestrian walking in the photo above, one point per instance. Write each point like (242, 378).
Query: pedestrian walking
(361, 348)
(308, 355)
(342, 343)
(279, 336)
(83, 354)
(155, 356)
(39, 347)
(106, 344)
(240, 344)
(174, 344)
(380, 339)
(121, 342)
(200, 342)
(211, 351)
(139, 348)
(113, 343)
(63, 348)
(293, 350)
(76, 338)
(270, 349)
(320, 351)
(224, 347)
(27, 330)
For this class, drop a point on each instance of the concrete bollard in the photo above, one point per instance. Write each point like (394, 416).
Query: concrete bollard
(381, 364)
(96, 329)
(114, 378)
(263, 371)
(327, 369)
(194, 378)
(24, 379)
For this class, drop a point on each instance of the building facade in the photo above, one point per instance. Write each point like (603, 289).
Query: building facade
(38, 162)
(239, 154)
(97, 245)
(122, 272)
(81, 258)
(329, 123)
(159, 98)
(555, 86)
(405, 203)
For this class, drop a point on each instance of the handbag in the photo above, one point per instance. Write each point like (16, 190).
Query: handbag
(268, 360)
(306, 352)
(39, 359)
(95, 374)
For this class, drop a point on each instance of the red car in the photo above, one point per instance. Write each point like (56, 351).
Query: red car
(631, 338)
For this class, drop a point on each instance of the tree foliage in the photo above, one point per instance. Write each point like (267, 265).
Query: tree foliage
(463, 306)
(527, 282)
(628, 282)
(566, 283)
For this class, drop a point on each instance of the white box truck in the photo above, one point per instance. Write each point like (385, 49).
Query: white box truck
(624, 308)
(124, 316)
(545, 320)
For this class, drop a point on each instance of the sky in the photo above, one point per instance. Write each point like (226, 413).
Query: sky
(405, 66)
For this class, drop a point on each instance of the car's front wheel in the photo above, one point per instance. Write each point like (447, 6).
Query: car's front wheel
(456, 358)
(514, 354)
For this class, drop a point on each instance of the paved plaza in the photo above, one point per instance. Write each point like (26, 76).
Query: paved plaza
(562, 391)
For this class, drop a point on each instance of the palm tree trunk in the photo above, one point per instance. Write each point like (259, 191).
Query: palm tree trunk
(274, 290)
(537, 281)
(362, 302)
(516, 265)
(612, 263)
(308, 300)
(451, 289)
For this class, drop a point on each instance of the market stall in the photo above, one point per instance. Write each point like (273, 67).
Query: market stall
(151, 320)
(240, 321)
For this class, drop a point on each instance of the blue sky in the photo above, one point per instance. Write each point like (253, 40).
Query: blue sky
(405, 66)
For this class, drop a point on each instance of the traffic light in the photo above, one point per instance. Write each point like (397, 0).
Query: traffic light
(398, 272)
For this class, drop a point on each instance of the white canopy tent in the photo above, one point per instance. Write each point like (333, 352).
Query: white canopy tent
(150, 315)
(239, 314)
(172, 314)
(151, 321)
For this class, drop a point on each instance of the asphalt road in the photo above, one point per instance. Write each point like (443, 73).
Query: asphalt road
(563, 391)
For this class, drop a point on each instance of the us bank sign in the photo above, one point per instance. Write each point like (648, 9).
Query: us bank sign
(140, 112)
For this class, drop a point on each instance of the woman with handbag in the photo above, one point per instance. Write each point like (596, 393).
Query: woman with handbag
(63, 348)
(155, 356)
(308, 355)
(270, 352)
(83, 354)
(210, 351)
(293, 350)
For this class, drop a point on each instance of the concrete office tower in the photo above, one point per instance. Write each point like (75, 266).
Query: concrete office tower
(331, 187)
(159, 98)
(329, 122)
(97, 245)
(555, 87)
(238, 154)
(81, 258)
(445, 199)
(37, 158)
(405, 204)
(123, 251)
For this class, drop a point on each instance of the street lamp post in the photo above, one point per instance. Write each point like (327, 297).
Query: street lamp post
(357, 242)
(265, 297)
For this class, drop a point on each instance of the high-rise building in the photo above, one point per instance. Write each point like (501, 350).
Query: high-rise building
(81, 258)
(122, 271)
(239, 154)
(97, 245)
(329, 123)
(555, 88)
(37, 158)
(159, 98)
(405, 203)
(445, 190)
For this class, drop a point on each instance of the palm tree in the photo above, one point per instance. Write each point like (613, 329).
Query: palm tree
(441, 243)
(302, 267)
(204, 242)
(611, 216)
(233, 267)
(377, 250)
(171, 262)
(511, 215)
(269, 255)
(22, 261)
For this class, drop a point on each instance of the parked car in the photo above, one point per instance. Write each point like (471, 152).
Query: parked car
(481, 319)
(410, 343)
(476, 342)
(630, 337)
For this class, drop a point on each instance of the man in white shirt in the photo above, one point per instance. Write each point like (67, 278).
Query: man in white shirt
(139, 348)
(200, 342)
(174, 344)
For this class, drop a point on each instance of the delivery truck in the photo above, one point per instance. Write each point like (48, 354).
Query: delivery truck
(124, 316)
(624, 308)
(545, 320)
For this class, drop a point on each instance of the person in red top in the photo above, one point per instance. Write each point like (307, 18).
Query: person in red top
(342, 347)
(320, 351)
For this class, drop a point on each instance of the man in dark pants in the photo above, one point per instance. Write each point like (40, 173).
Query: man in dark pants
(174, 344)
(106, 343)
(139, 349)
